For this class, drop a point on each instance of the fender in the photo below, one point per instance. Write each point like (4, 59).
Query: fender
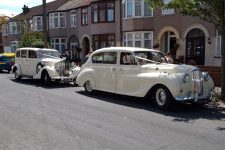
(16, 66)
(51, 72)
(84, 75)
(168, 80)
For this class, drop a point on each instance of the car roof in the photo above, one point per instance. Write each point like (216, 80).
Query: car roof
(126, 49)
(36, 49)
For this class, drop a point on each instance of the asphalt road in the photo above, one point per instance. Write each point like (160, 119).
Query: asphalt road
(63, 117)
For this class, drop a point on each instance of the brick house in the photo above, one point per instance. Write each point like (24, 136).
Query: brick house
(83, 25)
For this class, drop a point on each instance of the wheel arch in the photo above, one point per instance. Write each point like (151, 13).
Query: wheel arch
(153, 89)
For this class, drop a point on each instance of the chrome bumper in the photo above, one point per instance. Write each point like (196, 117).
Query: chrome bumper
(63, 79)
(195, 99)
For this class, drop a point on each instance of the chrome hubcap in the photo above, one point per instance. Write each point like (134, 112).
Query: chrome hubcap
(161, 97)
(89, 86)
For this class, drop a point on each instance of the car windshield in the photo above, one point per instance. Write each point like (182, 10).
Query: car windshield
(48, 54)
(145, 57)
(3, 58)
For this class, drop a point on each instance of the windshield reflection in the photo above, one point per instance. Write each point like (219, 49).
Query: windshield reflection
(48, 54)
(145, 57)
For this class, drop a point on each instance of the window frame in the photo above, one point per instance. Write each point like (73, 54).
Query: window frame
(56, 18)
(84, 16)
(13, 28)
(96, 10)
(35, 23)
(129, 9)
(34, 56)
(131, 38)
(73, 18)
(218, 44)
(21, 54)
(61, 45)
(99, 38)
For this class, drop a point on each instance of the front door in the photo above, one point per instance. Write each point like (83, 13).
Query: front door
(105, 68)
(127, 75)
(195, 47)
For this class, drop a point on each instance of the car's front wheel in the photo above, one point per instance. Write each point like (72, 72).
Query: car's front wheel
(163, 98)
(46, 78)
(88, 86)
(17, 75)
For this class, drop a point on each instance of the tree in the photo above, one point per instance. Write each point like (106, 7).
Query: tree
(32, 39)
(3, 21)
(209, 10)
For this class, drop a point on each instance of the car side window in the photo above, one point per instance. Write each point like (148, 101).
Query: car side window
(97, 58)
(32, 54)
(110, 57)
(23, 53)
(127, 58)
(18, 54)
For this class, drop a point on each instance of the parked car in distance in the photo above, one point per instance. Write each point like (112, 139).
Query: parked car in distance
(144, 73)
(7, 60)
(45, 64)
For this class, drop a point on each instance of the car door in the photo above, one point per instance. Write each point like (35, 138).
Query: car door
(105, 70)
(32, 62)
(23, 62)
(127, 75)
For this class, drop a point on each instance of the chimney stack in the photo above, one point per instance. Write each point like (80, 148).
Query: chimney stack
(25, 9)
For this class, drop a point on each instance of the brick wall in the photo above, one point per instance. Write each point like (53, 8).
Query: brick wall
(214, 72)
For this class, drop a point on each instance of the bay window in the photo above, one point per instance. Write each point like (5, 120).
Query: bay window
(57, 20)
(58, 44)
(103, 40)
(103, 12)
(136, 8)
(138, 39)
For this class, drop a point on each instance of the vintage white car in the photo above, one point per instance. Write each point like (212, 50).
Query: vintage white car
(45, 64)
(144, 73)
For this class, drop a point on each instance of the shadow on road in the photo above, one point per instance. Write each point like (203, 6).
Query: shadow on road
(181, 112)
(39, 83)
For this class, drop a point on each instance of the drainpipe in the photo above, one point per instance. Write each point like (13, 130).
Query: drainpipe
(121, 24)
(45, 24)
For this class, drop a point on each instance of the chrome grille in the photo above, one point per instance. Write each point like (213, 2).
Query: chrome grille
(63, 68)
(197, 81)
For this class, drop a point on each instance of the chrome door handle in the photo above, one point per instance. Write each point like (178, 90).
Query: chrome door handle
(113, 69)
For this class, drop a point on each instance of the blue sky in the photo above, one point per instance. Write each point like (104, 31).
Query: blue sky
(14, 7)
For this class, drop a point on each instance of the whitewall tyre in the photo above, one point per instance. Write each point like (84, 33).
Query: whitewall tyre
(163, 98)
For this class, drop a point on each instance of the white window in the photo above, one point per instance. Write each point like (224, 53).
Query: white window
(5, 30)
(218, 44)
(73, 18)
(14, 45)
(57, 20)
(12, 28)
(167, 11)
(58, 44)
(136, 8)
(138, 39)
(37, 23)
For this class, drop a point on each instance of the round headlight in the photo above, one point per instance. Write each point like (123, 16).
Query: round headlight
(206, 76)
(185, 78)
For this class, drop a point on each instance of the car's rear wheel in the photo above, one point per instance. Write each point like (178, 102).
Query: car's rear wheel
(163, 98)
(46, 79)
(88, 86)
(17, 75)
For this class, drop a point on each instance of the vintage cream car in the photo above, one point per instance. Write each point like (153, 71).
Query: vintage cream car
(144, 73)
(45, 64)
